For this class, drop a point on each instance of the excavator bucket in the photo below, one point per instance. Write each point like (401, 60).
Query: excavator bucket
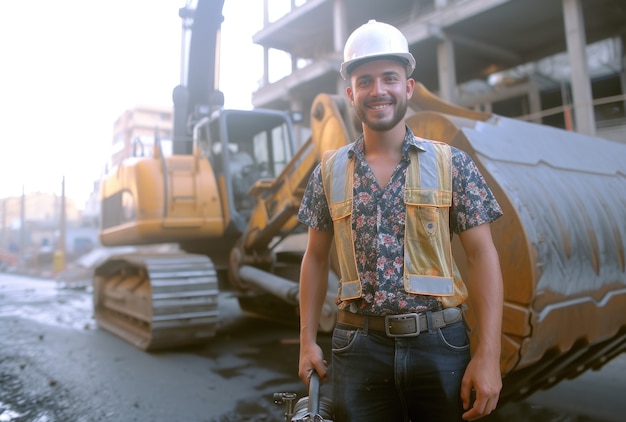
(561, 240)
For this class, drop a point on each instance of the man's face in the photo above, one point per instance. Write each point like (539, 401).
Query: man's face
(379, 91)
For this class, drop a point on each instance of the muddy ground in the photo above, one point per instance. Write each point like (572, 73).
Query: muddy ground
(57, 365)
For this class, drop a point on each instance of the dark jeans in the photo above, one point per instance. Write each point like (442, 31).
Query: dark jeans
(377, 378)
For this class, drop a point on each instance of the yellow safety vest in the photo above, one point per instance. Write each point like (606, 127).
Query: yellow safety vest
(429, 267)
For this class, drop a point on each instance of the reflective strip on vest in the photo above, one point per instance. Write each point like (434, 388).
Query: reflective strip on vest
(337, 171)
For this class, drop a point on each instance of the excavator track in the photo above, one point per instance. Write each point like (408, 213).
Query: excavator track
(157, 301)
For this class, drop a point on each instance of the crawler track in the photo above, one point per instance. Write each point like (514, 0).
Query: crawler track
(157, 301)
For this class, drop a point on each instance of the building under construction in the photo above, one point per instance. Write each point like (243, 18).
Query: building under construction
(555, 62)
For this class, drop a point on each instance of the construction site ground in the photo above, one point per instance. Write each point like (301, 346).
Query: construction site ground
(57, 365)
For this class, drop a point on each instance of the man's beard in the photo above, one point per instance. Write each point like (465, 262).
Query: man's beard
(399, 112)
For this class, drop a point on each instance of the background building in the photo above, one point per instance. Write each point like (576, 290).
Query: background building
(555, 62)
(135, 130)
(134, 134)
(32, 227)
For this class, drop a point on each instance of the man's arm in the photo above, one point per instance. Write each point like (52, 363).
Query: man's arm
(313, 287)
(485, 289)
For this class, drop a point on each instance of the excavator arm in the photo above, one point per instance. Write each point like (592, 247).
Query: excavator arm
(278, 200)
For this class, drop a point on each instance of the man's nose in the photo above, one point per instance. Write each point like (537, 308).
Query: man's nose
(378, 86)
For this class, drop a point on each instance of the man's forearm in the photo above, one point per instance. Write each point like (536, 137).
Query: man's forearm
(313, 287)
(486, 298)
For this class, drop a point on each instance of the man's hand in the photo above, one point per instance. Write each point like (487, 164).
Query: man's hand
(312, 359)
(483, 377)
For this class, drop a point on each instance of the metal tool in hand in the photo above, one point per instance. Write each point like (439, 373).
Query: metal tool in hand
(313, 408)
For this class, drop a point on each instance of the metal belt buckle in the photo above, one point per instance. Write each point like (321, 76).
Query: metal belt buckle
(405, 325)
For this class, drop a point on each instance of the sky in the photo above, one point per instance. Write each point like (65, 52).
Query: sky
(71, 67)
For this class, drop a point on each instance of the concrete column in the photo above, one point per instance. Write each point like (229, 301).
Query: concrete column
(340, 35)
(534, 101)
(266, 67)
(447, 70)
(294, 59)
(266, 13)
(297, 107)
(622, 75)
(581, 85)
(340, 30)
(266, 21)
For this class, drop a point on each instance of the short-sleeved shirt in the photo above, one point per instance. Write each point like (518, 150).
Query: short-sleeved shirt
(378, 225)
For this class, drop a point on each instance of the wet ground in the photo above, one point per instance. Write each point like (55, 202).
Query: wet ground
(57, 365)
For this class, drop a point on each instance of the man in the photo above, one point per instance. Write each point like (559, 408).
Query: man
(390, 201)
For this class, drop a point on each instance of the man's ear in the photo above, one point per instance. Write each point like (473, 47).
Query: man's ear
(350, 94)
(410, 86)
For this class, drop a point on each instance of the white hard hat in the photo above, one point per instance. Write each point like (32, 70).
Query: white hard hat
(375, 39)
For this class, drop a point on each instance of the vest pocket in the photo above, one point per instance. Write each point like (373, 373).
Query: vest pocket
(430, 219)
(427, 206)
(427, 260)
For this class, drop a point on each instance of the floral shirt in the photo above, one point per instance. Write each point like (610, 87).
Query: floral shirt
(378, 225)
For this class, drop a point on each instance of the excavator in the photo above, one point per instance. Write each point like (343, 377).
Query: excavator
(228, 195)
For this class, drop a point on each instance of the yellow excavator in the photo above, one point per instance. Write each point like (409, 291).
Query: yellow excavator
(229, 194)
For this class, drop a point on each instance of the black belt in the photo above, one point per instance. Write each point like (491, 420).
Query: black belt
(403, 325)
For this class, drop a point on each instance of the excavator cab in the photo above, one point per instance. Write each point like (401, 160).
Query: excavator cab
(243, 147)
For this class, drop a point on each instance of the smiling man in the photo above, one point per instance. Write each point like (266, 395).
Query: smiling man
(390, 201)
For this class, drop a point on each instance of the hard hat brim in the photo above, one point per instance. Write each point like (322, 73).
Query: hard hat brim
(406, 58)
